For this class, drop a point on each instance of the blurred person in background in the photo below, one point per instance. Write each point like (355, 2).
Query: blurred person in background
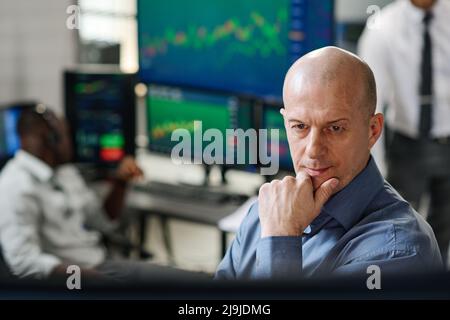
(408, 49)
(49, 218)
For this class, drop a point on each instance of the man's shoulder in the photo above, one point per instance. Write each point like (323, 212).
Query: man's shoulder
(386, 20)
(392, 12)
(392, 225)
(14, 178)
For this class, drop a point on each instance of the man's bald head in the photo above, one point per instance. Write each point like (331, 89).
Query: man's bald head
(331, 66)
(329, 100)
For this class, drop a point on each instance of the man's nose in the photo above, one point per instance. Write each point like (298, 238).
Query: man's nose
(316, 145)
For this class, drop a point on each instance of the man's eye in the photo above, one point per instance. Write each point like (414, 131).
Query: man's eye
(300, 126)
(336, 129)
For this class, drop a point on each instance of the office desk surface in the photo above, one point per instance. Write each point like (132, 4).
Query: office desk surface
(194, 211)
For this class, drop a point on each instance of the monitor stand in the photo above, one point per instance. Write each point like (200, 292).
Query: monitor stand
(207, 171)
(206, 180)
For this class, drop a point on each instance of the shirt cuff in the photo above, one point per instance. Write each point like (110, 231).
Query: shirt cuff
(279, 257)
(46, 265)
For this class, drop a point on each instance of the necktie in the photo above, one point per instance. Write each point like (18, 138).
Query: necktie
(426, 106)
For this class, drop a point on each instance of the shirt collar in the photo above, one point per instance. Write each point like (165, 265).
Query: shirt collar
(34, 166)
(348, 205)
(440, 10)
(417, 14)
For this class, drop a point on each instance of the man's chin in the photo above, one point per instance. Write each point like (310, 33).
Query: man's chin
(317, 182)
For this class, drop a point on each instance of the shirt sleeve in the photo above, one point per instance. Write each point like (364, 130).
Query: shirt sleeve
(390, 262)
(279, 257)
(229, 266)
(95, 214)
(251, 256)
(21, 242)
(90, 202)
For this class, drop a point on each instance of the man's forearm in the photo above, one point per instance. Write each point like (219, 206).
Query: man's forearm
(279, 257)
(114, 202)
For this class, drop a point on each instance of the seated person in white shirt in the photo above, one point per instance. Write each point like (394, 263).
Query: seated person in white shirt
(48, 214)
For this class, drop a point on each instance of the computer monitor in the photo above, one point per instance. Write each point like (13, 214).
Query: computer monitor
(243, 47)
(171, 108)
(100, 108)
(9, 137)
(271, 118)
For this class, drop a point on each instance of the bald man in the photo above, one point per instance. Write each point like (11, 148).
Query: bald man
(337, 216)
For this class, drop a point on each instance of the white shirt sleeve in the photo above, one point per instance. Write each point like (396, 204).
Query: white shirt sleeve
(372, 48)
(20, 238)
(85, 198)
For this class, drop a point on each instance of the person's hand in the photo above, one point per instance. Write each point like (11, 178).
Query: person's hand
(128, 169)
(288, 206)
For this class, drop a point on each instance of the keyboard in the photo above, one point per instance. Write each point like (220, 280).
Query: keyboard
(189, 192)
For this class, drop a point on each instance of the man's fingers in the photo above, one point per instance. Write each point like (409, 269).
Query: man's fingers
(302, 175)
(325, 191)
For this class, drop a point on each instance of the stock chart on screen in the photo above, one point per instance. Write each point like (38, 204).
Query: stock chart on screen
(272, 119)
(171, 108)
(239, 46)
(100, 108)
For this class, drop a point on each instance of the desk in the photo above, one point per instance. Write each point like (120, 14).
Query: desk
(144, 204)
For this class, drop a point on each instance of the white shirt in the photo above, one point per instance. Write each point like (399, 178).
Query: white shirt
(393, 50)
(42, 225)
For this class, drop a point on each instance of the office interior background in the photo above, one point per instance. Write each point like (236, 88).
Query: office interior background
(126, 73)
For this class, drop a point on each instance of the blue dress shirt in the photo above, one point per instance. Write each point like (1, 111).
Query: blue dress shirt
(366, 223)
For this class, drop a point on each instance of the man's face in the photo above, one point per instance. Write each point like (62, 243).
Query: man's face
(62, 151)
(423, 4)
(327, 129)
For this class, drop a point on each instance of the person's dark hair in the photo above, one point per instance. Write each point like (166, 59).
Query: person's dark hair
(33, 119)
(29, 122)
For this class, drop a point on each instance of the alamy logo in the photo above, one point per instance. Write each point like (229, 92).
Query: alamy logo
(73, 21)
(374, 280)
(373, 22)
(74, 280)
(240, 147)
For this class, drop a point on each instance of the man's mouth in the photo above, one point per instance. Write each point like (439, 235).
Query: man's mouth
(316, 172)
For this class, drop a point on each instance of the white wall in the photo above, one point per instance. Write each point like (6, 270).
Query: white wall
(35, 47)
(355, 10)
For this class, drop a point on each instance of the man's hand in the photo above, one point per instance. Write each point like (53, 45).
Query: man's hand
(128, 170)
(288, 206)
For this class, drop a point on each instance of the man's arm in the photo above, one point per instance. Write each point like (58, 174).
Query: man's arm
(286, 209)
(20, 239)
(229, 266)
(114, 202)
(279, 257)
(398, 261)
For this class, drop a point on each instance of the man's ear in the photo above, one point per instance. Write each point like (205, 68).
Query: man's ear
(375, 128)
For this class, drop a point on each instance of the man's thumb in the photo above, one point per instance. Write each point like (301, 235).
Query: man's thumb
(325, 191)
